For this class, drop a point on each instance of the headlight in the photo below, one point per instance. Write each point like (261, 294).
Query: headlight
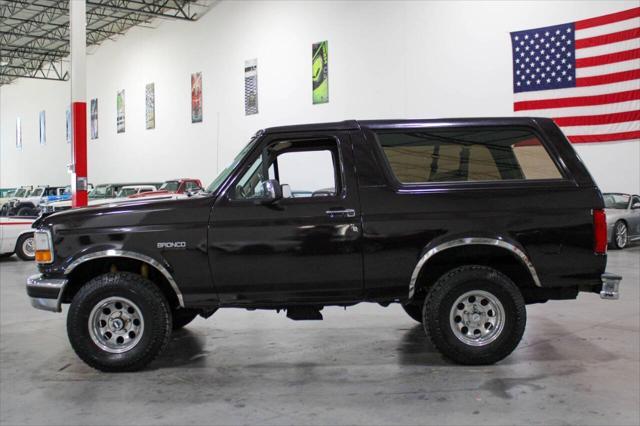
(44, 246)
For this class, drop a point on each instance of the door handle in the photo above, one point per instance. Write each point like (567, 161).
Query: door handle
(341, 213)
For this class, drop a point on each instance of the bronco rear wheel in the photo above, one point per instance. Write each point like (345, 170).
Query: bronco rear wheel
(119, 322)
(474, 315)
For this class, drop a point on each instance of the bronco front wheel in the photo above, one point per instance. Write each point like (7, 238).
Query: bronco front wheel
(119, 322)
(474, 315)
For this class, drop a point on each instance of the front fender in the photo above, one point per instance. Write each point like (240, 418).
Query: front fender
(160, 264)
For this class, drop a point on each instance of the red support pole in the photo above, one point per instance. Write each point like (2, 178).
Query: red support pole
(78, 42)
(79, 120)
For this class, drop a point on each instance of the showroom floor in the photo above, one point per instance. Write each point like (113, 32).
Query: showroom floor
(579, 363)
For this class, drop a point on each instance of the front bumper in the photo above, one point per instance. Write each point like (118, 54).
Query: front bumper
(610, 286)
(46, 293)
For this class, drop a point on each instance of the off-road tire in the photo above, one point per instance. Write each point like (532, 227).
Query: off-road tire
(439, 303)
(26, 212)
(414, 311)
(19, 250)
(154, 308)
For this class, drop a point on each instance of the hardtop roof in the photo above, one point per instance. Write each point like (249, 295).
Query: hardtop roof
(376, 124)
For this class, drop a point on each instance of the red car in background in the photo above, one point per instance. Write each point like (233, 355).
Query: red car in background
(174, 186)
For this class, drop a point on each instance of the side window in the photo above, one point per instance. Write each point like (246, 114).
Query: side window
(192, 186)
(466, 154)
(308, 173)
(307, 168)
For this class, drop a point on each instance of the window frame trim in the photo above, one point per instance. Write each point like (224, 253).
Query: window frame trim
(416, 187)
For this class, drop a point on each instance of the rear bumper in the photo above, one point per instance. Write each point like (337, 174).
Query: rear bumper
(610, 286)
(46, 293)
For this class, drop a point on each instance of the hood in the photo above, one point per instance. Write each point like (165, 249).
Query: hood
(129, 214)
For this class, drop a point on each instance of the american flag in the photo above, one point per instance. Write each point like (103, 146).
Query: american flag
(584, 74)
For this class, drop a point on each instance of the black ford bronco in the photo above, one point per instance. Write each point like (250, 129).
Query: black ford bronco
(461, 221)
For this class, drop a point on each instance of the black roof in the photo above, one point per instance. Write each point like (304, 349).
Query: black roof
(357, 124)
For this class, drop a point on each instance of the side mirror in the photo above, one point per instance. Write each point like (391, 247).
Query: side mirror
(271, 191)
(636, 205)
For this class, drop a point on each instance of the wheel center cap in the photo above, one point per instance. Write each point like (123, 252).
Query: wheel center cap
(117, 324)
(475, 317)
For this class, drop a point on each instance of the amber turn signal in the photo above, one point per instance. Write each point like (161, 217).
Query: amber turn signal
(43, 256)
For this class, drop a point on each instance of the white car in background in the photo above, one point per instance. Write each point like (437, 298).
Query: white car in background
(16, 236)
(21, 192)
(103, 194)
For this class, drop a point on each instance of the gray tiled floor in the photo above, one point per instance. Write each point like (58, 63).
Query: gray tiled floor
(579, 363)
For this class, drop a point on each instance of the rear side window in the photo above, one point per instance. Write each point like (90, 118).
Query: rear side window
(466, 154)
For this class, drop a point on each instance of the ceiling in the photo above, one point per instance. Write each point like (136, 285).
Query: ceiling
(34, 34)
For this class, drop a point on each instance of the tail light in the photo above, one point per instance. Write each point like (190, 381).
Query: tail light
(599, 232)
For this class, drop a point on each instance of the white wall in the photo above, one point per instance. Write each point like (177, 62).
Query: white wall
(386, 60)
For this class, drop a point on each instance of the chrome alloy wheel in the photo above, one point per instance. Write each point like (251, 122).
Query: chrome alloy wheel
(116, 324)
(622, 237)
(28, 247)
(477, 318)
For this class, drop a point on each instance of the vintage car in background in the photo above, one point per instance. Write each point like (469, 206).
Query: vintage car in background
(174, 186)
(128, 191)
(102, 194)
(7, 192)
(16, 236)
(21, 192)
(623, 218)
(66, 195)
(30, 204)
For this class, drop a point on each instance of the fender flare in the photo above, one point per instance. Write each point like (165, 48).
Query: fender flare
(515, 250)
(131, 255)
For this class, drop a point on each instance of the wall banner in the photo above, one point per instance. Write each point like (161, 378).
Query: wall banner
(320, 72)
(150, 105)
(42, 128)
(68, 125)
(18, 133)
(94, 118)
(120, 111)
(196, 97)
(251, 87)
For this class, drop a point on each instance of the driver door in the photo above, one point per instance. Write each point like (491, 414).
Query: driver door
(301, 248)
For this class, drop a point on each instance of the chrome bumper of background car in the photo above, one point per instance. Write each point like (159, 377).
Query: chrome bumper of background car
(45, 293)
(610, 286)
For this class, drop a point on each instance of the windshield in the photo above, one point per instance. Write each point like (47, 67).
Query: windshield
(20, 192)
(125, 192)
(227, 171)
(170, 185)
(101, 191)
(616, 201)
(36, 192)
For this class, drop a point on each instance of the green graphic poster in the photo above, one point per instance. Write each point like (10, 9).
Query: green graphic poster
(320, 72)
